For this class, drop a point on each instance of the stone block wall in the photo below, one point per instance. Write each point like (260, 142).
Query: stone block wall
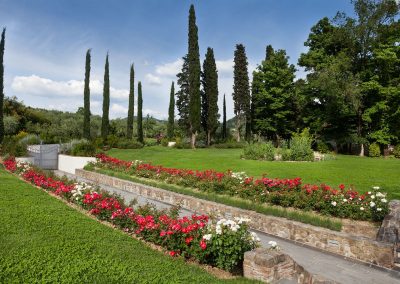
(341, 243)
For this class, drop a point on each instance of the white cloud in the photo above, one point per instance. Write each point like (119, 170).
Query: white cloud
(118, 109)
(225, 66)
(38, 86)
(170, 69)
(153, 80)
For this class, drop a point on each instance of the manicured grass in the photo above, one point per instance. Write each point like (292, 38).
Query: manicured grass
(43, 240)
(361, 172)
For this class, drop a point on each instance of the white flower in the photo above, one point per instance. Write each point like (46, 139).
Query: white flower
(254, 237)
(378, 209)
(372, 196)
(241, 220)
(372, 204)
(273, 244)
(218, 230)
(376, 187)
(333, 203)
(362, 208)
(344, 200)
(369, 192)
(379, 194)
(383, 200)
(207, 237)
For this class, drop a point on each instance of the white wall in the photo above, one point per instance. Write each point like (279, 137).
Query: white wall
(70, 163)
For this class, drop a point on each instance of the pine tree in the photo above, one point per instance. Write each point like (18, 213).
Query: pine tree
(129, 129)
(86, 98)
(194, 77)
(105, 123)
(171, 113)
(2, 44)
(210, 95)
(140, 114)
(182, 96)
(224, 133)
(241, 89)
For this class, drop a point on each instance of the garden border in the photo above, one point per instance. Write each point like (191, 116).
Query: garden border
(341, 243)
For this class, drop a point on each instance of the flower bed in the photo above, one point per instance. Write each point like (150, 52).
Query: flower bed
(221, 244)
(338, 202)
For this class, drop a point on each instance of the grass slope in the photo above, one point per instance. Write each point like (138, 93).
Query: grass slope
(361, 172)
(43, 240)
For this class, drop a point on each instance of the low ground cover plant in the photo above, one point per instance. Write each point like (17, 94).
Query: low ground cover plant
(343, 202)
(221, 244)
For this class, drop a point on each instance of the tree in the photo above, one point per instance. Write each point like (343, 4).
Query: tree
(273, 96)
(140, 114)
(210, 114)
(224, 133)
(105, 124)
(171, 113)
(129, 129)
(2, 44)
(194, 77)
(86, 98)
(241, 89)
(182, 96)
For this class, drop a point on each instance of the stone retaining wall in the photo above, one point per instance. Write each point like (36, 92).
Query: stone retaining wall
(341, 243)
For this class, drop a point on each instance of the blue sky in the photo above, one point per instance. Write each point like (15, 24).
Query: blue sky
(46, 42)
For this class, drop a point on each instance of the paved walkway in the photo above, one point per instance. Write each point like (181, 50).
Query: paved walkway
(330, 266)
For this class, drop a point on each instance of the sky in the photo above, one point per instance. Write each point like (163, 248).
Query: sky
(46, 43)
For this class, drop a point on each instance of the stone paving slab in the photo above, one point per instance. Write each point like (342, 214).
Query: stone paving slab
(330, 266)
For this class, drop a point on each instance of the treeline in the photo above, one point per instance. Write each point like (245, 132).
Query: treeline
(349, 98)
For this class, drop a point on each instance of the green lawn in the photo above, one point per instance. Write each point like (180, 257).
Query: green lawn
(361, 172)
(43, 240)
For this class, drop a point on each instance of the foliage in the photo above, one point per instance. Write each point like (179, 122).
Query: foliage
(194, 70)
(396, 151)
(2, 44)
(273, 99)
(322, 147)
(259, 151)
(209, 94)
(282, 192)
(11, 124)
(171, 113)
(129, 144)
(83, 148)
(93, 253)
(150, 142)
(224, 130)
(139, 114)
(300, 146)
(131, 104)
(182, 96)
(374, 150)
(241, 90)
(17, 145)
(105, 123)
(230, 145)
(86, 95)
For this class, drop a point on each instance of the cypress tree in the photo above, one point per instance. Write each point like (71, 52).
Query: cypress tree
(2, 44)
(171, 114)
(106, 102)
(194, 77)
(210, 95)
(86, 98)
(241, 89)
(139, 114)
(224, 133)
(182, 96)
(129, 129)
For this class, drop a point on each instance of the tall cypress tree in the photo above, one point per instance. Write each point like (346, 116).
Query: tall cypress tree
(210, 95)
(140, 114)
(129, 129)
(241, 89)
(171, 113)
(224, 133)
(106, 102)
(86, 98)
(2, 44)
(194, 77)
(182, 96)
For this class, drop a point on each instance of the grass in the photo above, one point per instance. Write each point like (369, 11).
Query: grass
(296, 215)
(360, 172)
(44, 240)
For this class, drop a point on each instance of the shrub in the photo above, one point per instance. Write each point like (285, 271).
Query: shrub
(151, 141)
(112, 141)
(84, 148)
(322, 147)
(396, 151)
(259, 151)
(300, 146)
(182, 144)
(129, 144)
(230, 145)
(30, 139)
(12, 147)
(164, 142)
(374, 150)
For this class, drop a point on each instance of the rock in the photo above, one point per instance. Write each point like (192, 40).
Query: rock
(390, 228)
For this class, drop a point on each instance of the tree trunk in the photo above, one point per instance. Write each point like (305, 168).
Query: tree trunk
(208, 137)
(238, 118)
(362, 150)
(193, 140)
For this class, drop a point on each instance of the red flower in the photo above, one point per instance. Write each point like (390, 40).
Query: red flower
(172, 253)
(188, 240)
(203, 244)
(342, 186)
